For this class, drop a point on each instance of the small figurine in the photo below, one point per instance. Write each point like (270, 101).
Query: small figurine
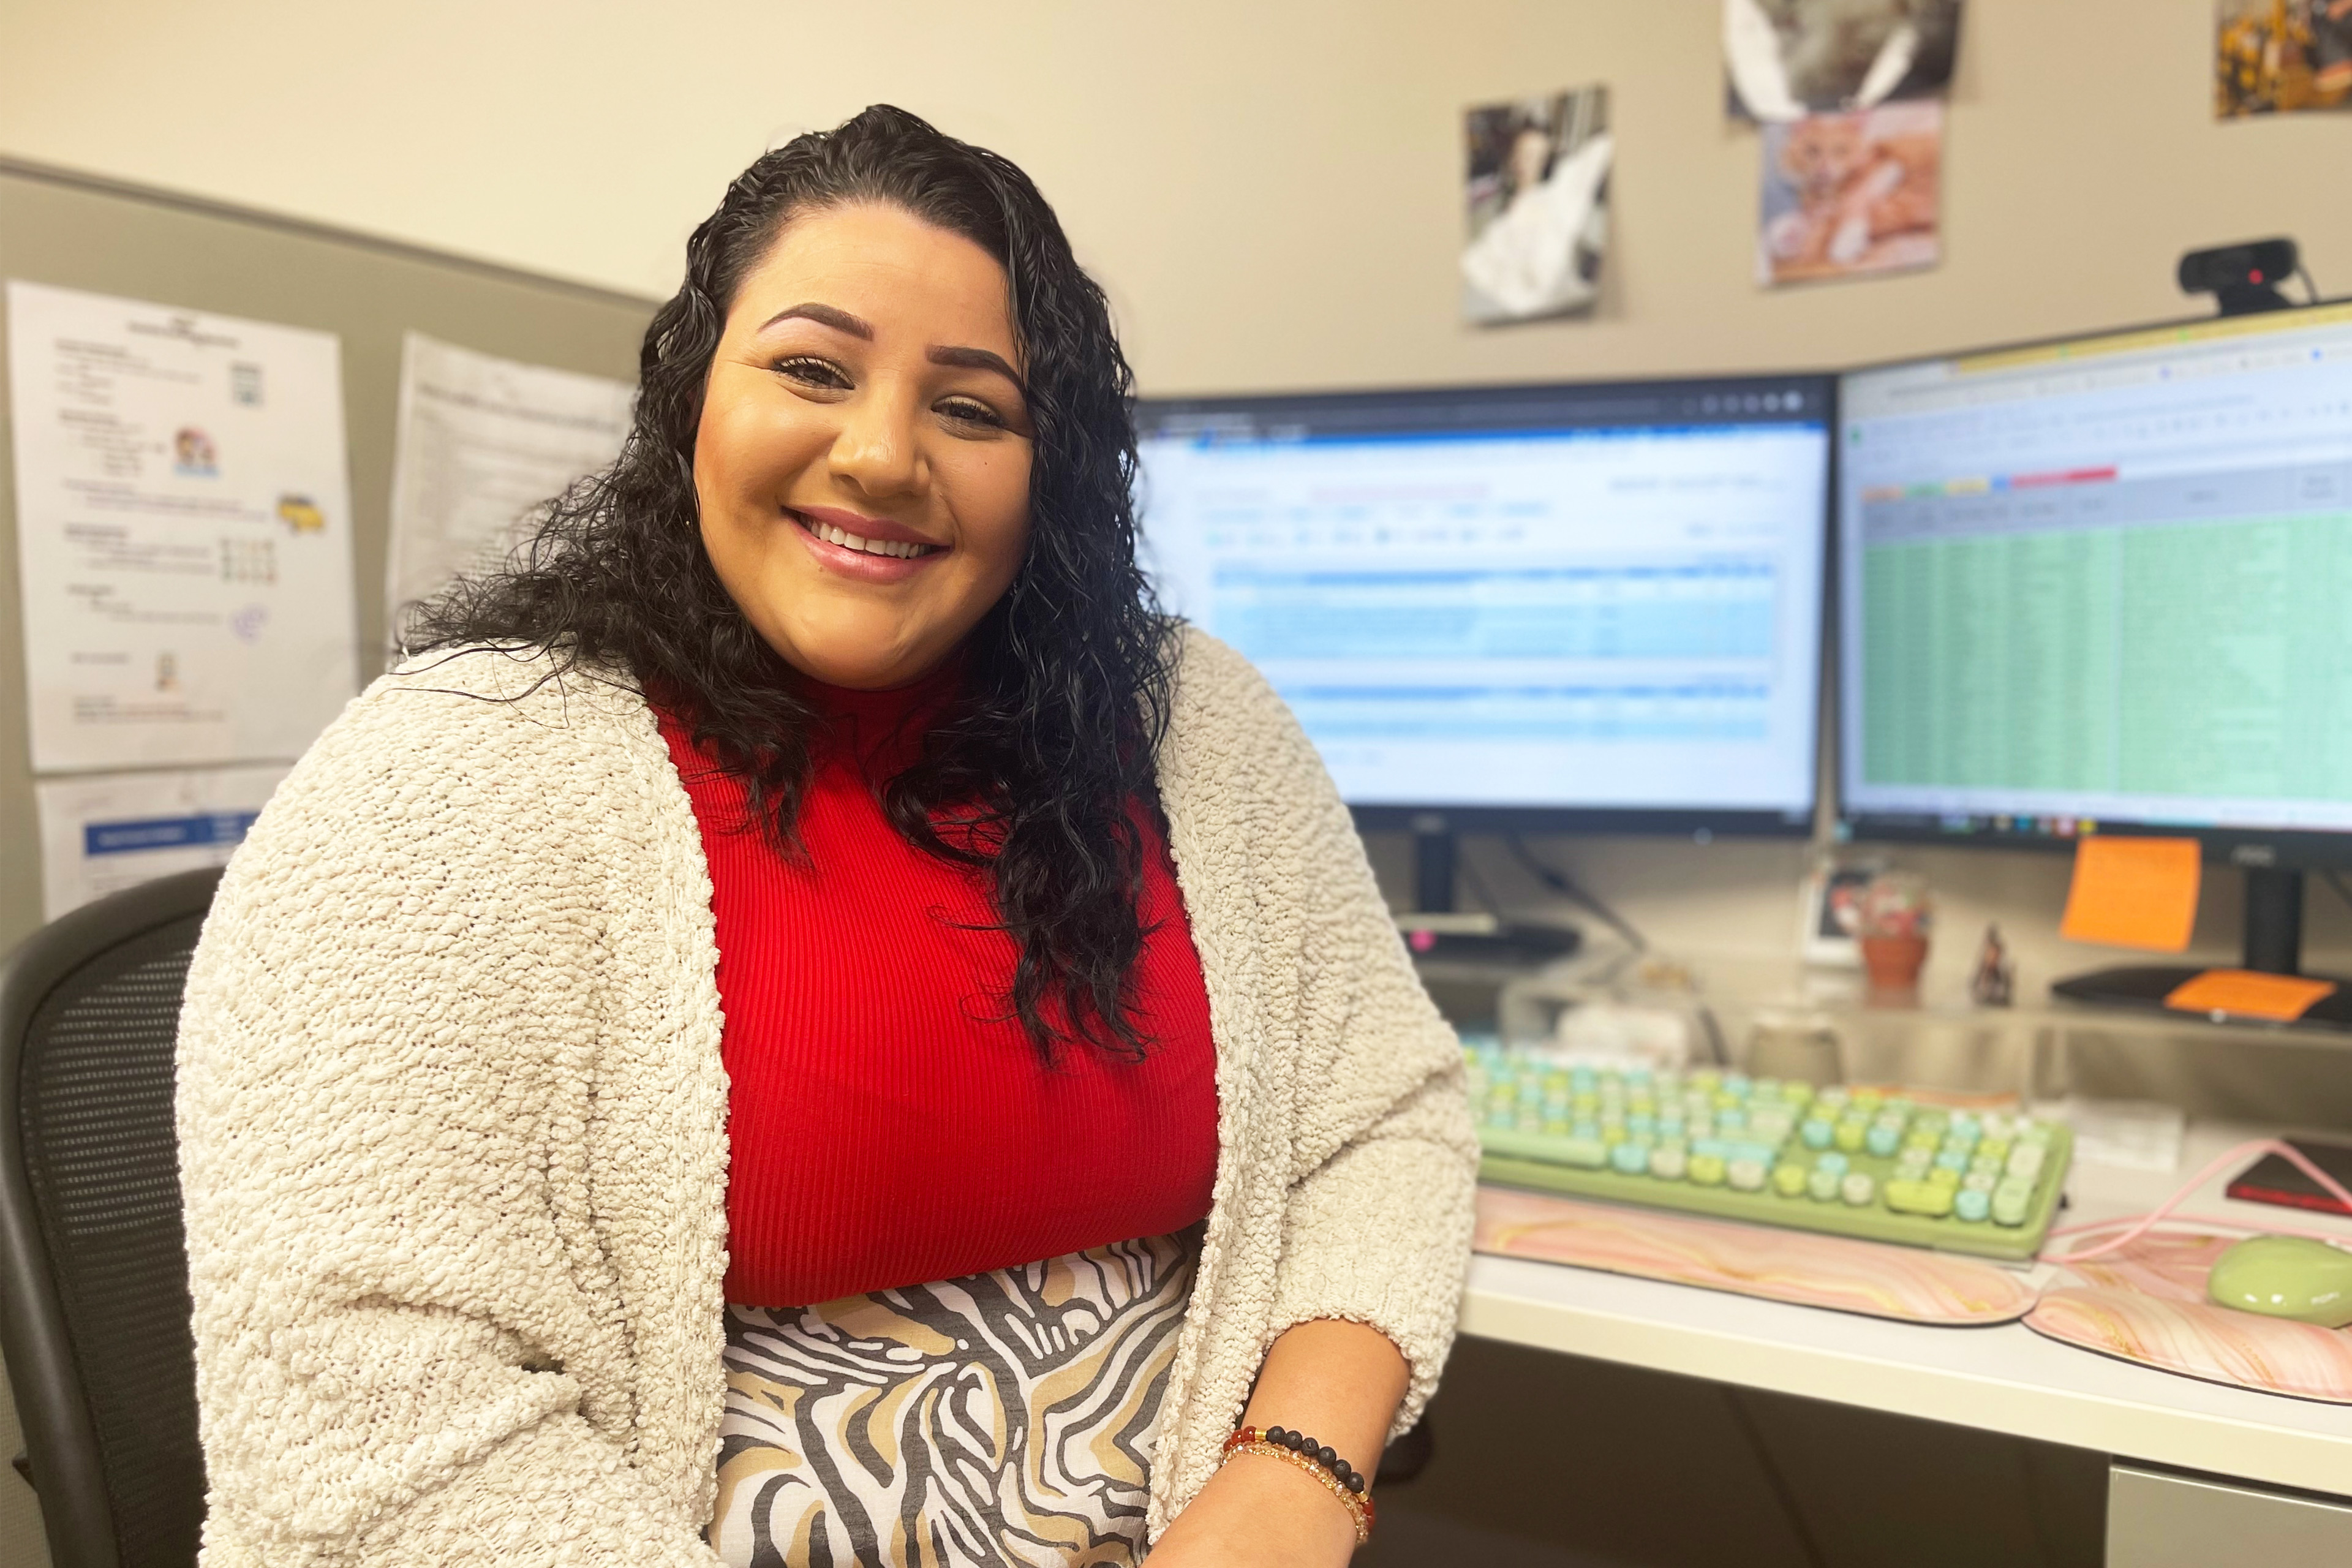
(1994, 983)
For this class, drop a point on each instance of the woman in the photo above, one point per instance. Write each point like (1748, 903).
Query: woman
(811, 1026)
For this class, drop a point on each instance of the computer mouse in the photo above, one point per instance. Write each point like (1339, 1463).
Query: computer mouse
(2285, 1277)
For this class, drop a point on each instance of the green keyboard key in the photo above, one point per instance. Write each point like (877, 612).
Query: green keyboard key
(1930, 1198)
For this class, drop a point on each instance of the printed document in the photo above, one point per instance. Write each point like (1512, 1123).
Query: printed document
(184, 531)
(104, 832)
(483, 444)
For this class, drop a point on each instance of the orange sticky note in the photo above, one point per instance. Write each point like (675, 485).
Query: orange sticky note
(2133, 892)
(2244, 994)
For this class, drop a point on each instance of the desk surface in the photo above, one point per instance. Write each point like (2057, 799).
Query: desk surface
(2006, 1379)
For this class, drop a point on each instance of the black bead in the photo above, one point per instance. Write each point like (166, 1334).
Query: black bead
(1277, 1435)
(1355, 1482)
(1293, 1441)
(1341, 1470)
(1328, 1457)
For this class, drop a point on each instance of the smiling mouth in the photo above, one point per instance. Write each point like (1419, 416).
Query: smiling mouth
(904, 549)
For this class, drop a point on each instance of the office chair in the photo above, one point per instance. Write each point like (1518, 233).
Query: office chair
(93, 1261)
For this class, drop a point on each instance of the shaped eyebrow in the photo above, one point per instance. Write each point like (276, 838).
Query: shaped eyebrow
(841, 320)
(975, 358)
(824, 315)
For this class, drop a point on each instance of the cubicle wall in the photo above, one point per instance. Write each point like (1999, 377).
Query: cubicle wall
(78, 232)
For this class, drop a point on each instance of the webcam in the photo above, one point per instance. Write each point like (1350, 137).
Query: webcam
(2241, 278)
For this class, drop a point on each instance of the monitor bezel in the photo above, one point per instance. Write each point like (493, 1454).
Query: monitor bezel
(2296, 848)
(1700, 823)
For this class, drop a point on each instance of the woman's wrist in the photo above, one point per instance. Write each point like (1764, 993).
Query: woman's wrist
(1258, 1509)
(1347, 1486)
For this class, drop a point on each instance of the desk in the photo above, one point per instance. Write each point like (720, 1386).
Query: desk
(2007, 1379)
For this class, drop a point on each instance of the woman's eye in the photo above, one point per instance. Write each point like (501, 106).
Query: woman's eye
(964, 411)
(812, 371)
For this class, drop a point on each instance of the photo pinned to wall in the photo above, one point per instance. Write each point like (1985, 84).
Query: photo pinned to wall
(1539, 206)
(1847, 195)
(2281, 56)
(1787, 58)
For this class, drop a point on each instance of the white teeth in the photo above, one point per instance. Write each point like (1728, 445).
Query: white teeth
(848, 541)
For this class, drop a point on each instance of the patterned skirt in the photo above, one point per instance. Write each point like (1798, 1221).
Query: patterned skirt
(1001, 1418)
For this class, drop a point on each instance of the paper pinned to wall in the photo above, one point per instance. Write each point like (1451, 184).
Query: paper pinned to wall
(1538, 195)
(1787, 58)
(183, 531)
(1845, 195)
(482, 443)
(2281, 56)
(103, 832)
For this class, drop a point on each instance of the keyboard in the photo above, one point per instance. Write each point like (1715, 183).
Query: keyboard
(1856, 1161)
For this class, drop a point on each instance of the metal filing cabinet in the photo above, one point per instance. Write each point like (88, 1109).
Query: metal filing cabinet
(2162, 1519)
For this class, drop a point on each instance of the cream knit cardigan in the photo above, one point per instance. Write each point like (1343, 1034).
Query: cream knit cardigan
(453, 1124)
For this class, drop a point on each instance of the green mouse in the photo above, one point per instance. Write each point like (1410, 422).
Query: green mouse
(2285, 1277)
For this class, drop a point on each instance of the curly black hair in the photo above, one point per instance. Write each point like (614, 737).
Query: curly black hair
(1032, 774)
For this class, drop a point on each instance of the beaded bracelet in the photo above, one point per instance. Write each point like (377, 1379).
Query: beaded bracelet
(1342, 1479)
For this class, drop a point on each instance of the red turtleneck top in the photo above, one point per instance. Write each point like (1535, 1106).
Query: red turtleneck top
(889, 1125)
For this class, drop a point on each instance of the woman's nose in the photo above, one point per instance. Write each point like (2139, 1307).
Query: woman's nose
(877, 449)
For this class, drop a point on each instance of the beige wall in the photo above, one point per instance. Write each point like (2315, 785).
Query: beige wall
(1267, 187)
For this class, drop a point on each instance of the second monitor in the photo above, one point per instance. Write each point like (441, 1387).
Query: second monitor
(1593, 606)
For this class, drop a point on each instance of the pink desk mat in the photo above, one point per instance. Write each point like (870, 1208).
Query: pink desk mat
(1908, 1284)
(2146, 1303)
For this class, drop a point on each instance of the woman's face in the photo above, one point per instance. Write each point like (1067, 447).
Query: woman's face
(1530, 153)
(863, 459)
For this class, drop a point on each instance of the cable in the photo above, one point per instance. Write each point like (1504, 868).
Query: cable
(1478, 884)
(2162, 1213)
(2308, 285)
(2334, 880)
(1566, 887)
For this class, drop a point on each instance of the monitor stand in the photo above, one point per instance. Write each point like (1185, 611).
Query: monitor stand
(2273, 946)
(1436, 929)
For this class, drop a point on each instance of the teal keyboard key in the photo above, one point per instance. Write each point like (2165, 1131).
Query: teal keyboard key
(1630, 1157)
(1973, 1205)
(1834, 1162)
(1816, 1132)
(1882, 1140)
(1953, 1160)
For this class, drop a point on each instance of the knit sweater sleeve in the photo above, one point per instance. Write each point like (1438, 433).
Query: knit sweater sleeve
(408, 1337)
(1383, 1159)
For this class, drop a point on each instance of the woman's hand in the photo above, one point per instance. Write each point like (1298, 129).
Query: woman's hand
(1340, 1383)
(1258, 1513)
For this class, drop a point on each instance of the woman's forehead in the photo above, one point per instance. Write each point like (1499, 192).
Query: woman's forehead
(885, 266)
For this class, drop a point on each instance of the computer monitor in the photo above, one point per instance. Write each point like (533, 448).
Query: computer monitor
(1527, 608)
(2106, 584)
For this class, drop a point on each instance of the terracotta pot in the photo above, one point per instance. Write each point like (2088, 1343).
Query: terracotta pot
(1894, 962)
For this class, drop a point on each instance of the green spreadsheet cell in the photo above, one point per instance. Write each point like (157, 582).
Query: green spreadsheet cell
(2204, 659)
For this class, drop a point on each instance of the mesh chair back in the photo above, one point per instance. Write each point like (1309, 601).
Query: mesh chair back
(90, 1008)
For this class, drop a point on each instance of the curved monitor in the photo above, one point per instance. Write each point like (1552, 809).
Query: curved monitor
(2104, 584)
(1593, 605)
